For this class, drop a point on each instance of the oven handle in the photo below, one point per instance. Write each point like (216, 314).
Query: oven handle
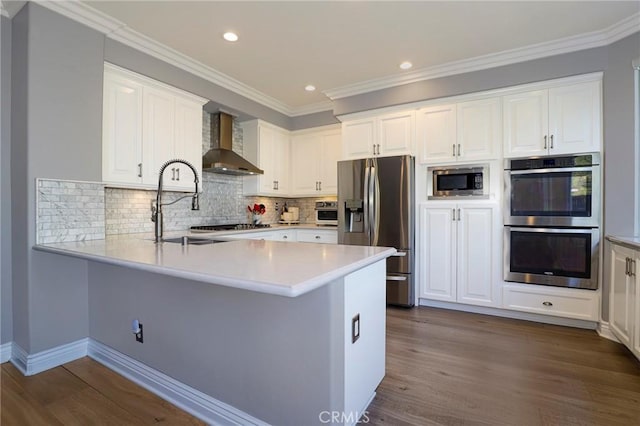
(551, 170)
(553, 230)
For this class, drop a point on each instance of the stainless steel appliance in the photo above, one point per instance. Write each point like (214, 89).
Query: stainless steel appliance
(553, 191)
(469, 181)
(376, 208)
(327, 213)
(561, 257)
(552, 219)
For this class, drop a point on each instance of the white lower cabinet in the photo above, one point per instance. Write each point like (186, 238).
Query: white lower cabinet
(459, 252)
(322, 236)
(624, 297)
(556, 301)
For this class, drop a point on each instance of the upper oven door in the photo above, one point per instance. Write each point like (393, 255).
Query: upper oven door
(553, 197)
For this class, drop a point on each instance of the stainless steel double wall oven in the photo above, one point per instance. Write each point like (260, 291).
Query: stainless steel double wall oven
(552, 220)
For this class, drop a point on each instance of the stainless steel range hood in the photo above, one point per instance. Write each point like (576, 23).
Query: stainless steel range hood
(221, 158)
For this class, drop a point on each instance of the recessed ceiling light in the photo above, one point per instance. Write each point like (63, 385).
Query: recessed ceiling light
(406, 65)
(310, 88)
(229, 36)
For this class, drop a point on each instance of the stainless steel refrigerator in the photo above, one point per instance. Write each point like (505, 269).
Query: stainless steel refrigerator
(375, 208)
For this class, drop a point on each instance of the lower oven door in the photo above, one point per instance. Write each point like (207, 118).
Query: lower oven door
(561, 257)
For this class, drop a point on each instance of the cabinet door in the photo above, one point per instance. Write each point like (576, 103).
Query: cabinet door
(158, 136)
(635, 320)
(188, 143)
(437, 252)
(331, 151)
(476, 267)
(322, 236)
(281, 163)
(479, 129)
(436, 134)
(266, 160)
(525, 123)
(574, 118)
(359, 137)
(621, 295)
(395, 134)
(121, 130)
(305, 164)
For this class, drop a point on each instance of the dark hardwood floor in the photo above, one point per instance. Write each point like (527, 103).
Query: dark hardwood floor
(455, 368)
(443, 368)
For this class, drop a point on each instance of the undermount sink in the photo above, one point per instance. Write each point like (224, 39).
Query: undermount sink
(191, 240)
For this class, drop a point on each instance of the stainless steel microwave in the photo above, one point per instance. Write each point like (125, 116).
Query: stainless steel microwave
(461, 181)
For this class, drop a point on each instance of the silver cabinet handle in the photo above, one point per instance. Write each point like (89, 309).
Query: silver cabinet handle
(454, 150)
(278, 185)
(274, 185)
(284, 237)
(458, 215)
(632, 268)
(178, 173)
(545, 142)
(317, 237)
(173, 171)
(320, 185)
(626, 266)
(551, 146)
(139, 169)
(378, 149)
(453, 212)
(547, 303)
(316, 185)
(374, 149)
(458, 150)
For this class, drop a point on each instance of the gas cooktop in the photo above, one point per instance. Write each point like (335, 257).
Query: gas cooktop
(229, 227)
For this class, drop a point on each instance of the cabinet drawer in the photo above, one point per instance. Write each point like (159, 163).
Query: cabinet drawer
(318, 236)
(578, 304)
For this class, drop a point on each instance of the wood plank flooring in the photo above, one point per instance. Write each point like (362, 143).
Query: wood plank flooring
(443, 368)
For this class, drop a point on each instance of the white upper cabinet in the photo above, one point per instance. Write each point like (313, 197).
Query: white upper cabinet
(145, 124)
(380, 136)
(267, 147)
(559, 120)
(464, 131)
(314, 162)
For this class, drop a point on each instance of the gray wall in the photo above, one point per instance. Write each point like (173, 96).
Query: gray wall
(6, 321)
(57, 132)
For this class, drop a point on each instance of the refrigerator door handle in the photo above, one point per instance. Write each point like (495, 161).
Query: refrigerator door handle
(367, 200)
(374, 186)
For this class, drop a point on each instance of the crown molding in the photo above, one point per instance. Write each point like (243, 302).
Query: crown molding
(9, 9)
(119, 31)
(607, 36)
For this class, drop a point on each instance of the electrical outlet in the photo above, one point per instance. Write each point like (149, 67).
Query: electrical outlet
(276, 207)
(136, 328)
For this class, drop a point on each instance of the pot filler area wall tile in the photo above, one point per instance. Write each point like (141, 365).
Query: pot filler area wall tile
(69, 211)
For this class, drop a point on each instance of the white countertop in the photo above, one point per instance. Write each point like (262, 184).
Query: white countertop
(633, 242)
(273, 267)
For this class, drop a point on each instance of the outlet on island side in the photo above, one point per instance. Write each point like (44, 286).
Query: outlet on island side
(136, 327)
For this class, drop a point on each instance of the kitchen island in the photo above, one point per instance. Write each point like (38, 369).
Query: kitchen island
(258, 332)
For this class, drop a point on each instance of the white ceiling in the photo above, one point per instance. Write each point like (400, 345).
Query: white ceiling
(284, 46)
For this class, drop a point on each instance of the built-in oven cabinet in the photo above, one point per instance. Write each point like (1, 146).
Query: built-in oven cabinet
(459, 252)
(559, 120)
(560, 302)
(379, 136)
(624, 297)
(465, 131)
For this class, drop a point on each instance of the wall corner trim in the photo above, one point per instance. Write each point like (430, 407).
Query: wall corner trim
(605, 331)
(5, 352)
(185, 397)
(30, 364)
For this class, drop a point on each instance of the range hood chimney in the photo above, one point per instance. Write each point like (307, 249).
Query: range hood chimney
(221, 158)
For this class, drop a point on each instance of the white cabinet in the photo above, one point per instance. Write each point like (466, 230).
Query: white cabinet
(459, 252)
(145, 124)
(555, 301)
(380, 136)
(559, 120)
(624, 297)
(466, 131)
(322, 236)
(266, 146)
(314, 162)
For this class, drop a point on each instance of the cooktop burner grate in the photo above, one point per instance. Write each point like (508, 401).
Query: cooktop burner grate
(230, 227)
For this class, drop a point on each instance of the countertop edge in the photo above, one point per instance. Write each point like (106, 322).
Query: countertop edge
(631, 242)
(296, 290)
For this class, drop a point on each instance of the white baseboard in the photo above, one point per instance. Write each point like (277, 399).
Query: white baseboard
(5, 352)
(187, 398)
(506, 313)
(605, 331)
(30, 364)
